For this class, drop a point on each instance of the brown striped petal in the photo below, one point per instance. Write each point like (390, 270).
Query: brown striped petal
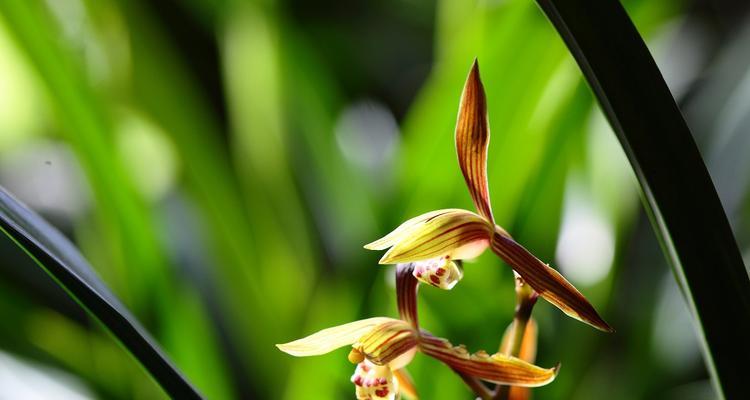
(406, 384)
(472, 139)
(552, 286)
(496, 368)
(407, 287)
(331, 339)
(452, 233)
(388, 341)
(405, 229)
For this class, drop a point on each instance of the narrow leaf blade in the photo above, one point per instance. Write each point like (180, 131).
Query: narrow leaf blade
(63, 262)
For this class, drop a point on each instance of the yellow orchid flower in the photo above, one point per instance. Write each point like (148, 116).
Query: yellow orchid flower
(382, 347)
(433, 241)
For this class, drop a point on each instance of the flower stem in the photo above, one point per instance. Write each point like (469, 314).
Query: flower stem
(525, 299)
(476, 386)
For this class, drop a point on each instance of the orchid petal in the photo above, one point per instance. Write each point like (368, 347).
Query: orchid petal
(453, 233)
(406, 383)
(407, 287)
(387, 341)
(331, 339)
(497, 368)
(552, 286)
(472, 140)
(405, 229)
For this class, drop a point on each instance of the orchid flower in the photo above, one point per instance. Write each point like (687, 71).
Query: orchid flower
(433, 241)
(382, 347)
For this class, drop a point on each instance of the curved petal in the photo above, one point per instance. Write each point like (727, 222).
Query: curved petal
(452, 233)
(405, 229)
(496, 368)
(387, 341)
(331, 339)
(472, 139)
(552, 286)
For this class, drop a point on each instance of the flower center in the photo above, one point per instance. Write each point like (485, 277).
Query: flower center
(373, 382)
(440, 272)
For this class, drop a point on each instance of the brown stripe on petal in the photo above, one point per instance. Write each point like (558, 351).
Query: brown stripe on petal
(472, 139)
(407, 287)
(552, 286)
(440, 236)
(387, 341)
(496, 368)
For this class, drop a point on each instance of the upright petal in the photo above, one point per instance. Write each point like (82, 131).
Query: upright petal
(387, 341)
(453, 233)
(552, 286)
(496, 368)
(472, 139)
(331, 339)
(407, 287)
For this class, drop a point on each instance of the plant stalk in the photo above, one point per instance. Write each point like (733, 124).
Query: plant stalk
(525, 299)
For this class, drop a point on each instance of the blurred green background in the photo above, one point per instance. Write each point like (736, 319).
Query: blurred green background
(221, 164)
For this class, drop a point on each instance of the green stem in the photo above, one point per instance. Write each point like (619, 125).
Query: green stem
(476, 386)
(678, 194)
(525, 299)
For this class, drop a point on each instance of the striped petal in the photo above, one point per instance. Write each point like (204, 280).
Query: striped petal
(451, 233)
(472, 139)
(387, 341)
(496, 368)
(407, 287)
(331, 339)
(552, 286)
(405, 229)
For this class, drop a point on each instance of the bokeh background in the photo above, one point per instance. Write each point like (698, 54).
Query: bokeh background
(221, 164)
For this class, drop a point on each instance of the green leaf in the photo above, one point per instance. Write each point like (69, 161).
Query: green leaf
(677, 190)
(63, 262)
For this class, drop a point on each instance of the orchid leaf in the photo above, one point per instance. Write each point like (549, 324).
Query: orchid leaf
(54, 253)
(472, 140)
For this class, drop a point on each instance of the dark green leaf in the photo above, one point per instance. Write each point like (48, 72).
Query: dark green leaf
(62, 261)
